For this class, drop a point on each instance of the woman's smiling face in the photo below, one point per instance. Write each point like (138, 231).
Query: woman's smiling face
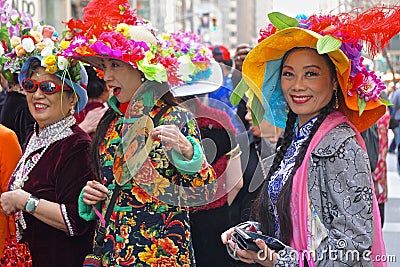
(47, 109)
(121, 78)
(307, 83)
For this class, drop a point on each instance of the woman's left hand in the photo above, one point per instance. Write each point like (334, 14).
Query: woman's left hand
(172, 136)
(13, 201)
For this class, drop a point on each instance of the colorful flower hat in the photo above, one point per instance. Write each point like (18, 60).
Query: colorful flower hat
(18, 36)
(70, 71)
(111, 29)
(341, 37)
(23, 41)
(197, 68)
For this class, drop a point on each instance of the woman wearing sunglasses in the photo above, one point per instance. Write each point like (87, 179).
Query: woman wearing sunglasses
(46, 183)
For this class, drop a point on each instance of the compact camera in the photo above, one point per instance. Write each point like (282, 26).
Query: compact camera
(246, 233)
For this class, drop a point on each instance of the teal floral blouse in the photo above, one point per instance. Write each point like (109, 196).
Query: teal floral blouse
(144, 230)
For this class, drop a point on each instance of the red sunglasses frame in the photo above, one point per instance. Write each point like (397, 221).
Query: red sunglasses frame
(36, 86)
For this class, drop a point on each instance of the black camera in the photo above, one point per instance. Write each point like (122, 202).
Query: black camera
(247, 233)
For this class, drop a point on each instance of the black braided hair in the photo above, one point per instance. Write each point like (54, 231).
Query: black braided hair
(261, 210)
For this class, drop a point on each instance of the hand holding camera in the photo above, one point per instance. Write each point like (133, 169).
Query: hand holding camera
(245, 235)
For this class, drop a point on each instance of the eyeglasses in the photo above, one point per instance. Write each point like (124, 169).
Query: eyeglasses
(47, 87)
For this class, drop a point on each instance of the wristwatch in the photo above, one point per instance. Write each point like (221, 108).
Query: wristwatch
(31, 204)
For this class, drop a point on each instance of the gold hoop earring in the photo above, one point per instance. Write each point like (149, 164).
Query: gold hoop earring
(336, 100)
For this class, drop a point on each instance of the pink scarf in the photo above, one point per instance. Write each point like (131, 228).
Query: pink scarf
(299, 200)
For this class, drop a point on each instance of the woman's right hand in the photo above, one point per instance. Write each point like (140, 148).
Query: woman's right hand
(94, 192)
(265, 256)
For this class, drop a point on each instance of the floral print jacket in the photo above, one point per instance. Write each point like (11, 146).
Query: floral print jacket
(148, 227)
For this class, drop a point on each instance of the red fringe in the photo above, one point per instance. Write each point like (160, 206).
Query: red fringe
(376, 26)
(101, 15)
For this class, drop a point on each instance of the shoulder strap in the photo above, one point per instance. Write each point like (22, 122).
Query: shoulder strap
(102, 230)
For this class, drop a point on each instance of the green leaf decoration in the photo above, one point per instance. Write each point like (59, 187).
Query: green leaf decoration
(281, 21)
(361, 105)
(257, 111)
(239, 92)
(386, 102)
(328, 44)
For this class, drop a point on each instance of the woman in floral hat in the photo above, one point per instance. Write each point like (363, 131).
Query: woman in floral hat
(13, 53)
(318, 195)
(46, 183)
(155, 166)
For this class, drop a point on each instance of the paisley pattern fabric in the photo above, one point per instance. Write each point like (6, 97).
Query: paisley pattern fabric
(143, 230)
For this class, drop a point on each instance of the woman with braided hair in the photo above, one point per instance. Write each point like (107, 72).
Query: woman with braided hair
(318, 196)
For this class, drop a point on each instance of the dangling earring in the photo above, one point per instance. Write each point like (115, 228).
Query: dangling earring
(336, 100)
(287, 108)
(142, 79)
(72, 111)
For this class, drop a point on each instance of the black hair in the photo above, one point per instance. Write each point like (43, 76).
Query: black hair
(261, 210)
(96, 86)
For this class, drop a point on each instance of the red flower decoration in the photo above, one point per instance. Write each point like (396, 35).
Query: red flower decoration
(355, 83)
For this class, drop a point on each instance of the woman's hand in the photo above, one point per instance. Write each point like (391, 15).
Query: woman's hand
(265, 256)
(13, 201)
(90, 122)
(172, 136)
(94, 192)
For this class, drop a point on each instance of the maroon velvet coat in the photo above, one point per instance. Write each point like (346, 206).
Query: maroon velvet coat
(59, 177)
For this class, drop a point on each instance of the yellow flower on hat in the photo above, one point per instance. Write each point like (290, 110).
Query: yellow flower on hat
(124, 29)
(50, 60)
(64, 44)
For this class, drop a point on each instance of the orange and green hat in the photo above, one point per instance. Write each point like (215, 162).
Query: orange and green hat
(339, 37)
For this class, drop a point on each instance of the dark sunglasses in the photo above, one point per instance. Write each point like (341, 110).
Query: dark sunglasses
(47, 87)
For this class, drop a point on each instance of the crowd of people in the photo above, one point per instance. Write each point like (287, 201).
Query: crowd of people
(123, 147)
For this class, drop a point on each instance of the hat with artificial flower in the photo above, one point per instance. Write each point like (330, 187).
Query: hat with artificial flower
(340, 36)
(70, 71)
(197, 67)
(111, 29)
(20, 38)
